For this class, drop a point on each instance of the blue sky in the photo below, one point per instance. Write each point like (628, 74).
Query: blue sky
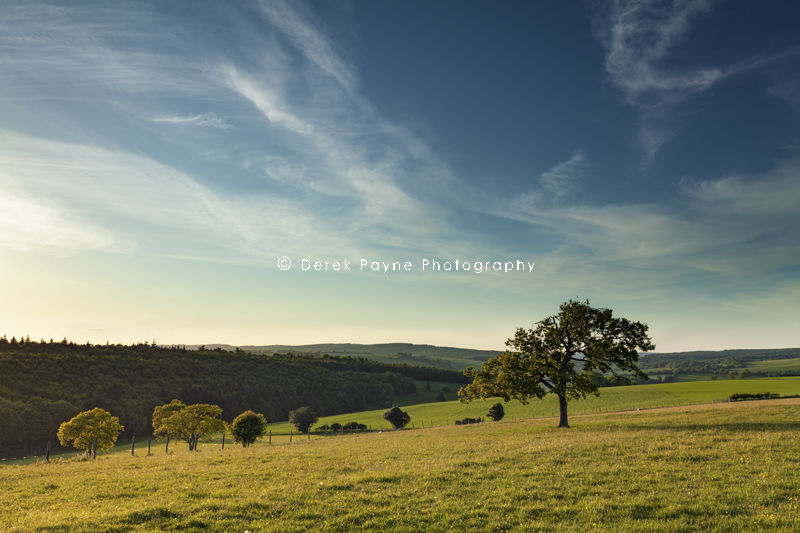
(157, 159)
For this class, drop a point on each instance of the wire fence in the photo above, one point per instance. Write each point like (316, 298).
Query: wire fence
(151, 446)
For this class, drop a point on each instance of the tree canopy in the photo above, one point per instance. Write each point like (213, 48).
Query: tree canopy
(496, 412)
(303, 418)
(129, 380)
(247, 427)
(397, 417)
(90, 427)
(187, 422)
(559, 355)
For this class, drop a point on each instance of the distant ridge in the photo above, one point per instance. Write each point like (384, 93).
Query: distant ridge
(749, 353)
(452, 358)
(396, 352)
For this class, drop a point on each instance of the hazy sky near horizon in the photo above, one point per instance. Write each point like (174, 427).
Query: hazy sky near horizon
(157, 159)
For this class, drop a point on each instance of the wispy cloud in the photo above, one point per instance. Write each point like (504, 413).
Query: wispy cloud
(206, 119)
(301, 27)
(29, 225)
(638, 40)
(733, 235)
(350, 173)
(565, 177)
(641, 38)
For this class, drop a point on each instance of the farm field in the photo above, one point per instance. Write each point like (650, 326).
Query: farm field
(610, 399)
(775, 365)
(722, 467)
(446, 413)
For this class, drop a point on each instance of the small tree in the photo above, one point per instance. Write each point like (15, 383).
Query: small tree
(303, 418)
(496, 412)
(247, 427)
(397, 417)
(88, 428)
(440, 397)
(187, 422)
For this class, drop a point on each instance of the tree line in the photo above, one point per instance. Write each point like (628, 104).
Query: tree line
(46, 383)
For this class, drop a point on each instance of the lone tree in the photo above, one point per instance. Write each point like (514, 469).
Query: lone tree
(543, 359)
(397, 417)
(247, 427)
(303, 418)
(187, 422)
(496, 412)
(90, 428)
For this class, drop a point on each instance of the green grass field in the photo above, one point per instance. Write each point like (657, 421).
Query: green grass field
(610, 399)
(446, 413)
(775, 365)
(723, 467)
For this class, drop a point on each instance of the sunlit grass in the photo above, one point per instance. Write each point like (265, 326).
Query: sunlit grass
(728, 467)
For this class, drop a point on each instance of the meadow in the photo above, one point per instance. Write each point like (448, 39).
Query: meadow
(721, 467)
(610, 399)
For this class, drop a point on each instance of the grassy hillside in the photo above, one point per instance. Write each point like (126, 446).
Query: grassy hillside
(728, 467)
(610, 399)
(724, 364)
(438, 414)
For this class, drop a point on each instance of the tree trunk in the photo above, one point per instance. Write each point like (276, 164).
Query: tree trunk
(562, 408)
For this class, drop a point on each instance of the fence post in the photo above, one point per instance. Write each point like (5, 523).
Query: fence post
(223, 440)
(309, 433)
(270, 436)
(133, 444)
(166, 450)
(47, 452)
(290, 436)
(148, 447)
(94, 448)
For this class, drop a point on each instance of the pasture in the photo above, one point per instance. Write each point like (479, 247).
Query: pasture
(610, 399)
(722, 467)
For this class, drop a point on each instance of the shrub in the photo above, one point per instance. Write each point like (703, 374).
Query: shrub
(496, 412)
(397, 417)
(468, 420)
(247, 427)
(303, 418)
(440, 397)
(354, 426)
(336, 426)
(742, 396)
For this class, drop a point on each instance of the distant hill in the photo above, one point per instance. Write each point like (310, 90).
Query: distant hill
(399, 352)
(44, 384)
(687, 366)
(705, 362)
